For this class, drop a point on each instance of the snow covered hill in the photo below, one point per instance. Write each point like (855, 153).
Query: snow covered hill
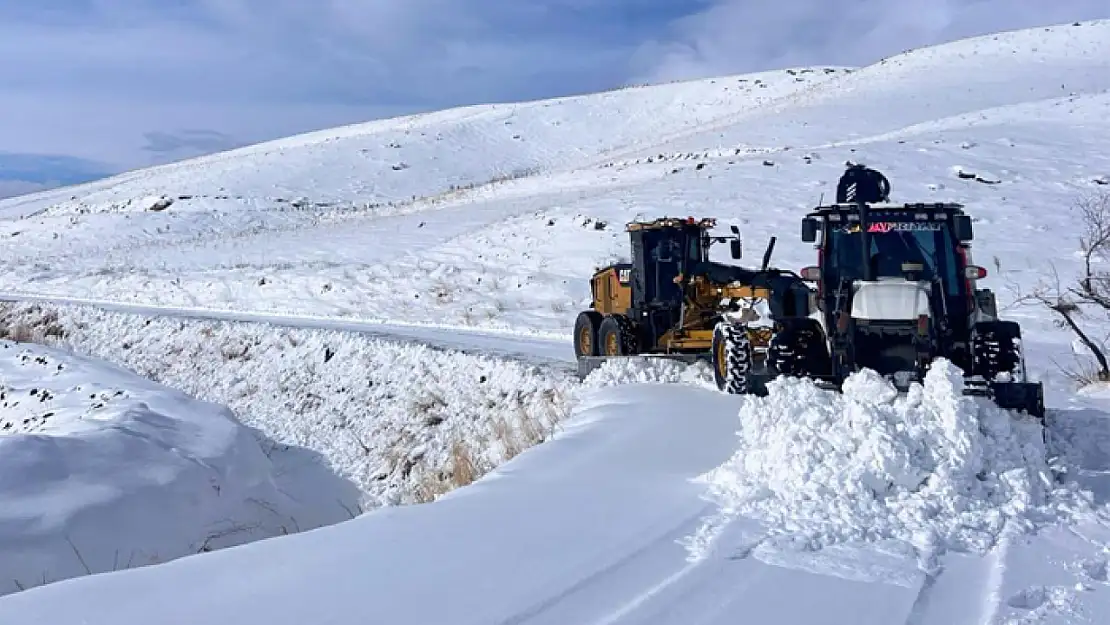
(394, 160)
(648, 507)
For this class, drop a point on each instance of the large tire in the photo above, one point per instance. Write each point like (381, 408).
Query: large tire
(617, 337)
(586, 333)
(732, 358)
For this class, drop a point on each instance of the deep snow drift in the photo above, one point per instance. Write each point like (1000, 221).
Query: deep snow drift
(402, 422)
(103, 470)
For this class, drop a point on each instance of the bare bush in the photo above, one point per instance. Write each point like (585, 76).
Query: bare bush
(1078, 299)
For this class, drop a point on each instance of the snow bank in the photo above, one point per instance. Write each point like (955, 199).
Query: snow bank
(932, 467)
(403, 422)
(101, 470)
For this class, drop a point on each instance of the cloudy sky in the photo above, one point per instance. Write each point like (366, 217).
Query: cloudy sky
(92, 87)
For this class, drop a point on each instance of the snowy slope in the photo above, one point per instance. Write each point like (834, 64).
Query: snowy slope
(103, 470)
(649, 509)
(355, 165)
(393, 419)
(926, 85)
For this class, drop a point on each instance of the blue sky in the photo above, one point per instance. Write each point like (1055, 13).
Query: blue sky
(91, 87)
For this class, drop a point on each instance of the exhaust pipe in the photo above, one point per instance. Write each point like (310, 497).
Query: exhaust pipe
(767, 254)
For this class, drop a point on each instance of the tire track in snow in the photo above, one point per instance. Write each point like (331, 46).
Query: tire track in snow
(919, 609)
(643, 557)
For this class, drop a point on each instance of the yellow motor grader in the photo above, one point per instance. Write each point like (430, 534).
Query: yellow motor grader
(670, 299)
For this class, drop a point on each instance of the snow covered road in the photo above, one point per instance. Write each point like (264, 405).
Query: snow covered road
(540, 349)
(586, 529)
(597, 527)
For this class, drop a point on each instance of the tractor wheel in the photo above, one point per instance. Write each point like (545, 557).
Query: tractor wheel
(996, 348)
(798, 350)
(586, 333)
(617, 337)
(732, 358)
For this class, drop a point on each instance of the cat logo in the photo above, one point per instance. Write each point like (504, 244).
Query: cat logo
(624, 276)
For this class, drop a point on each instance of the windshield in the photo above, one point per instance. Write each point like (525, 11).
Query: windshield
(894, 243)
(673, 247)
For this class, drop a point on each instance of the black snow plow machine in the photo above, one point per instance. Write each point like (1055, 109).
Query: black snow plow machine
(894, 288)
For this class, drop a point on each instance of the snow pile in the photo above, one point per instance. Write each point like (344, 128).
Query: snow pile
(101, 470)
(932, 467)
(649, 371)
(403, 422)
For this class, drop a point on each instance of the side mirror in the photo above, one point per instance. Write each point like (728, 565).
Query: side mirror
(964, 232)
(735, 230)
(809, 230)
(811, 274)
(737, 248)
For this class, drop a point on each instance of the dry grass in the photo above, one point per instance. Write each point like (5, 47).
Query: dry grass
(1083, 372)
(514, 436)
(462, 471)
(32, 325)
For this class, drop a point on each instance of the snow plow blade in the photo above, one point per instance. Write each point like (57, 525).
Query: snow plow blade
(587, 364)
(1025, 397)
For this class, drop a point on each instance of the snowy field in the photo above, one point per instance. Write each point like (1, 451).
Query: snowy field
(459, 243)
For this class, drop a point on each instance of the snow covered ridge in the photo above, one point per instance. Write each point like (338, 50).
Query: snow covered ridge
(101, 470)
(933, 468)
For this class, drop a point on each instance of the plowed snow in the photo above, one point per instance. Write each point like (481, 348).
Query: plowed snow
(932, 467)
